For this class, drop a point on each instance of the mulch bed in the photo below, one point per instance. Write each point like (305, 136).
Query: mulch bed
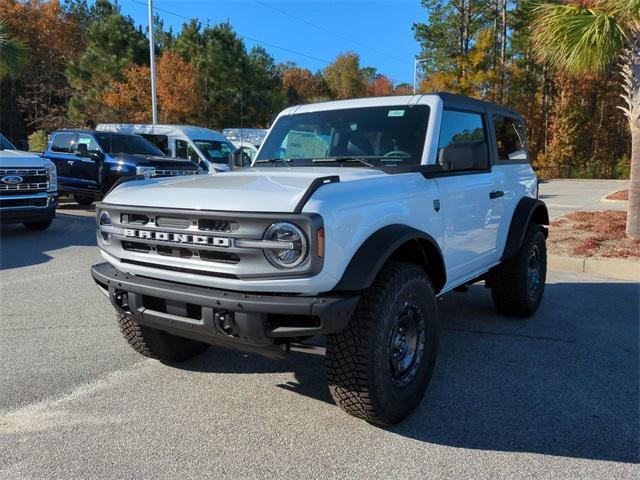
(619, 195)
(593, 234)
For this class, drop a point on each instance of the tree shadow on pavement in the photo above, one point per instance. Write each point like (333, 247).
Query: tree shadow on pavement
(564, 382)
(20, 247)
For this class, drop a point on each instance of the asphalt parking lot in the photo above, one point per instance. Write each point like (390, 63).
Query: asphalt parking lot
(555, 396)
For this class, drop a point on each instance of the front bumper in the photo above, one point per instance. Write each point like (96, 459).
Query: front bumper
(27, 208)
(255, 322)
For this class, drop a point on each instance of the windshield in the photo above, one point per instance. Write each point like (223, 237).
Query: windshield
(216, 152)
(374, 136)
(120, 143)
(5, 144)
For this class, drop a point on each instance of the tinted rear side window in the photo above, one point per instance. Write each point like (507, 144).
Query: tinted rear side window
(63, 142)
(510, 139)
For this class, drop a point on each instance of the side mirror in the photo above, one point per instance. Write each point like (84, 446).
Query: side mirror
(82, 150)
(167, 152)
(96, 156)
(235, 159)
(464, 156)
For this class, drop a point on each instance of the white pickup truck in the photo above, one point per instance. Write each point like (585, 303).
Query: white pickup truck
(355, 216)
(28, 188)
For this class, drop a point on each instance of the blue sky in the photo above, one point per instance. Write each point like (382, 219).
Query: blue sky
(380, 31)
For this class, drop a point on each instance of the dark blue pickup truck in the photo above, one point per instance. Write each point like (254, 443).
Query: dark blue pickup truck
(89, 163)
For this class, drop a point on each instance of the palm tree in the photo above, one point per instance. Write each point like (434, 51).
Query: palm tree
(13, 52)
(591, 36)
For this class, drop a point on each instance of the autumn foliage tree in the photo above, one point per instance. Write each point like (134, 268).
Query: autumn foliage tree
(300, 85)
(178, 91)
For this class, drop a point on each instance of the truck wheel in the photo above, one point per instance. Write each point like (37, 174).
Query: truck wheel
(154, 343)
(84, 200)
(379, 367)
(41, 225)
(517, 285)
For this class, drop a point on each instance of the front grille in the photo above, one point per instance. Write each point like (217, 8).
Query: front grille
(31, 181)
(174, 173)
(208, 243)
(23, 202)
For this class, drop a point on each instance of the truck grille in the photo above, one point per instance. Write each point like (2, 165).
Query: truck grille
(16, 181)
(208, 243)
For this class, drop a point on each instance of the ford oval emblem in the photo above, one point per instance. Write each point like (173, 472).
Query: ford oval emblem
(11, 179)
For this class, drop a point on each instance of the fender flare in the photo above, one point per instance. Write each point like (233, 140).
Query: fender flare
(528, 210)
(380, 246)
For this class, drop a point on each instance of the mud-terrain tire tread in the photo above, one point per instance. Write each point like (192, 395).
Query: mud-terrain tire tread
(157, 344)
(348, 353)
(509, 289)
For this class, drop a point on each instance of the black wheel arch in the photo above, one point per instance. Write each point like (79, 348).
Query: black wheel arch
(396, 241)
(529, 210)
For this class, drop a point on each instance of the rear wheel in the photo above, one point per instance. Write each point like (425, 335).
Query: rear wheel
(41, 225)
(154, 343)
(379, 367)
(517, 285)
(84, 200)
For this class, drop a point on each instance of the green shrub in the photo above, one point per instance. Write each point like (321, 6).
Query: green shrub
(623, 168)
(37, 141)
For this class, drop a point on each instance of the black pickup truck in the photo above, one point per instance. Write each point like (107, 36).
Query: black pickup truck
(89, 163)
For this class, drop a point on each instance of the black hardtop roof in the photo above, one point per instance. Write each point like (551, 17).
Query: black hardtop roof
(455, 101)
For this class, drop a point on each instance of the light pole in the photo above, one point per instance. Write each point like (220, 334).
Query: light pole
(152, 50)
(415, 73)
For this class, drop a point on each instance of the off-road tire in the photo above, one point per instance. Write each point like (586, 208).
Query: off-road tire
(511, 281)
(84, 200)
(37, 226)
(154, 343)
(358, 363)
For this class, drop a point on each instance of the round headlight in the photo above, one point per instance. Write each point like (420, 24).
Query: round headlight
(104, 219)
(290, 236)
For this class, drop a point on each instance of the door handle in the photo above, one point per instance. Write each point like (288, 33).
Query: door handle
(496, 194)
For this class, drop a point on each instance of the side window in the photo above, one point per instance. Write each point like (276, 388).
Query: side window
(184, 150)
(63, 142)
(510, 139)
(89, 141)
(463, 141)
(160, 141)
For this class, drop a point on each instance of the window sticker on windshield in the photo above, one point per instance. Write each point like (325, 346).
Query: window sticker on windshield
(396, 113)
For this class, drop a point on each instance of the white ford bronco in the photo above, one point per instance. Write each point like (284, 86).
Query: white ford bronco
(353, 218)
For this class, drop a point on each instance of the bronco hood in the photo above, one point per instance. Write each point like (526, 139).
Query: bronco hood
(249, 190)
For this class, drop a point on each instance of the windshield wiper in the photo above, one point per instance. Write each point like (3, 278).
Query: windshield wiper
(342, 160)
(272, 160)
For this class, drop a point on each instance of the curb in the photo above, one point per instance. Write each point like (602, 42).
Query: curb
(609, 267)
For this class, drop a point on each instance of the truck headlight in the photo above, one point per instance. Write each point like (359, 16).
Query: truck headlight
(291, 236)
(106, 228)
(53, 178)
(146, 171)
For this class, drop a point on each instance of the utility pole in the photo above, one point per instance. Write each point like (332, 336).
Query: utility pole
(415, 73)
(152, 53)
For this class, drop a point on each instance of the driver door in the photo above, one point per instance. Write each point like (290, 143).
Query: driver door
(87, 167)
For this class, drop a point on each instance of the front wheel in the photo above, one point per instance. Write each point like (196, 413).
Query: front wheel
(154, 343)
(83, 200)
(379, 367)
(517, 285)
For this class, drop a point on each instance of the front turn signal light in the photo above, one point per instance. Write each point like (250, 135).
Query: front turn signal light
(320, 243)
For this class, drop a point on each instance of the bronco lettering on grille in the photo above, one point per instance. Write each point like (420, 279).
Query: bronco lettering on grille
(178, 237)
